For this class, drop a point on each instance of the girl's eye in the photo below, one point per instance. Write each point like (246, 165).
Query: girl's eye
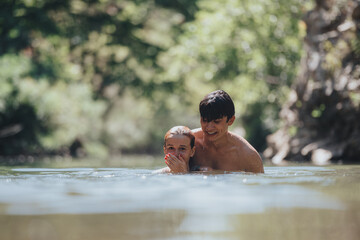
(170, 148)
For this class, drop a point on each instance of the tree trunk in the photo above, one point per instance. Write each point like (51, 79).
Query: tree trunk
(322, 116)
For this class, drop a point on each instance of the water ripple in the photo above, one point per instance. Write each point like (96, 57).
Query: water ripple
(110, 190)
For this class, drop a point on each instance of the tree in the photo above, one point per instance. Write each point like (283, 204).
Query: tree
(321, 118)
(250, 49)
(77, 58)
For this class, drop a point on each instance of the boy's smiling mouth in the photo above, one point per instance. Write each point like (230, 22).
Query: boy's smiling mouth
(211, 133)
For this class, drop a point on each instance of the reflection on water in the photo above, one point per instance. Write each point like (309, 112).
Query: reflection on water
(105, 203)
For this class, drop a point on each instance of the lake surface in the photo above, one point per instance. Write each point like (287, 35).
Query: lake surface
(297, 202)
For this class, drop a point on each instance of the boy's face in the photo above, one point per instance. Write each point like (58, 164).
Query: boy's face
(216, 129)
(179, 145)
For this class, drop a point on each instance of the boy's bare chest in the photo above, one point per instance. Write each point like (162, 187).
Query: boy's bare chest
(222, 159)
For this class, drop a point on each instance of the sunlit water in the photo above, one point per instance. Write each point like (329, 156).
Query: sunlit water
(300, 202)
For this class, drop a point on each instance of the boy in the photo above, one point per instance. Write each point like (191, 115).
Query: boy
(216, 147)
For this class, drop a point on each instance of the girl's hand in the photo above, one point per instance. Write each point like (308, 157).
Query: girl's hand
(176, 165)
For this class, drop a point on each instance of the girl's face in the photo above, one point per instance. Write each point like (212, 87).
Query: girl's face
(179, 145)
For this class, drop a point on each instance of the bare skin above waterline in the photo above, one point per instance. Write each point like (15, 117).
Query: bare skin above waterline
(229, 153)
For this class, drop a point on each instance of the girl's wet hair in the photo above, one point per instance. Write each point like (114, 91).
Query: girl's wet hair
(215, 105)
(181, 130)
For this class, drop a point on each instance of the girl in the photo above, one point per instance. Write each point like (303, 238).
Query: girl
(179, 147)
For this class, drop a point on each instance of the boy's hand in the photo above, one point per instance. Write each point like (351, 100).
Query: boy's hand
(176, 165)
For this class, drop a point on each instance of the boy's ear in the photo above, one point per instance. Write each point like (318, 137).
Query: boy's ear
(231, 120)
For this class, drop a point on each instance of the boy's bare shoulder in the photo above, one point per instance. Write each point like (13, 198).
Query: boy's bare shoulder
(241, 142)
(197, 132)
(245, 149)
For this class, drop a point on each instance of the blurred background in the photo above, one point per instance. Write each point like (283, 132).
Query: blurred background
(99, 78)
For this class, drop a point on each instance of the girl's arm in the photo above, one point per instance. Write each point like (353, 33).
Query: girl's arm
(162, 170)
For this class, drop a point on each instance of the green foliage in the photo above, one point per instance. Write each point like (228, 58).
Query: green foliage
(250, 49)
(355, 45)
(292, 130)
(355, 98)
(47, 116)
(117, 74)
(318, 112)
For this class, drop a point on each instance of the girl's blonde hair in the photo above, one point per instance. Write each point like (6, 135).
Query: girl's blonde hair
(180, 130)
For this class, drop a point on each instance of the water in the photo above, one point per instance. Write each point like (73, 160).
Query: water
(298, 202)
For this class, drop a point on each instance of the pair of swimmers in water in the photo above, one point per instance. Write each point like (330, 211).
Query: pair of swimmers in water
(211, 147)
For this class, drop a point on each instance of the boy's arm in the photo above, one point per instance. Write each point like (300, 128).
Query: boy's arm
(255, 163)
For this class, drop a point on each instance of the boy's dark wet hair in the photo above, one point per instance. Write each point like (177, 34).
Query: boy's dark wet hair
(215, 105)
